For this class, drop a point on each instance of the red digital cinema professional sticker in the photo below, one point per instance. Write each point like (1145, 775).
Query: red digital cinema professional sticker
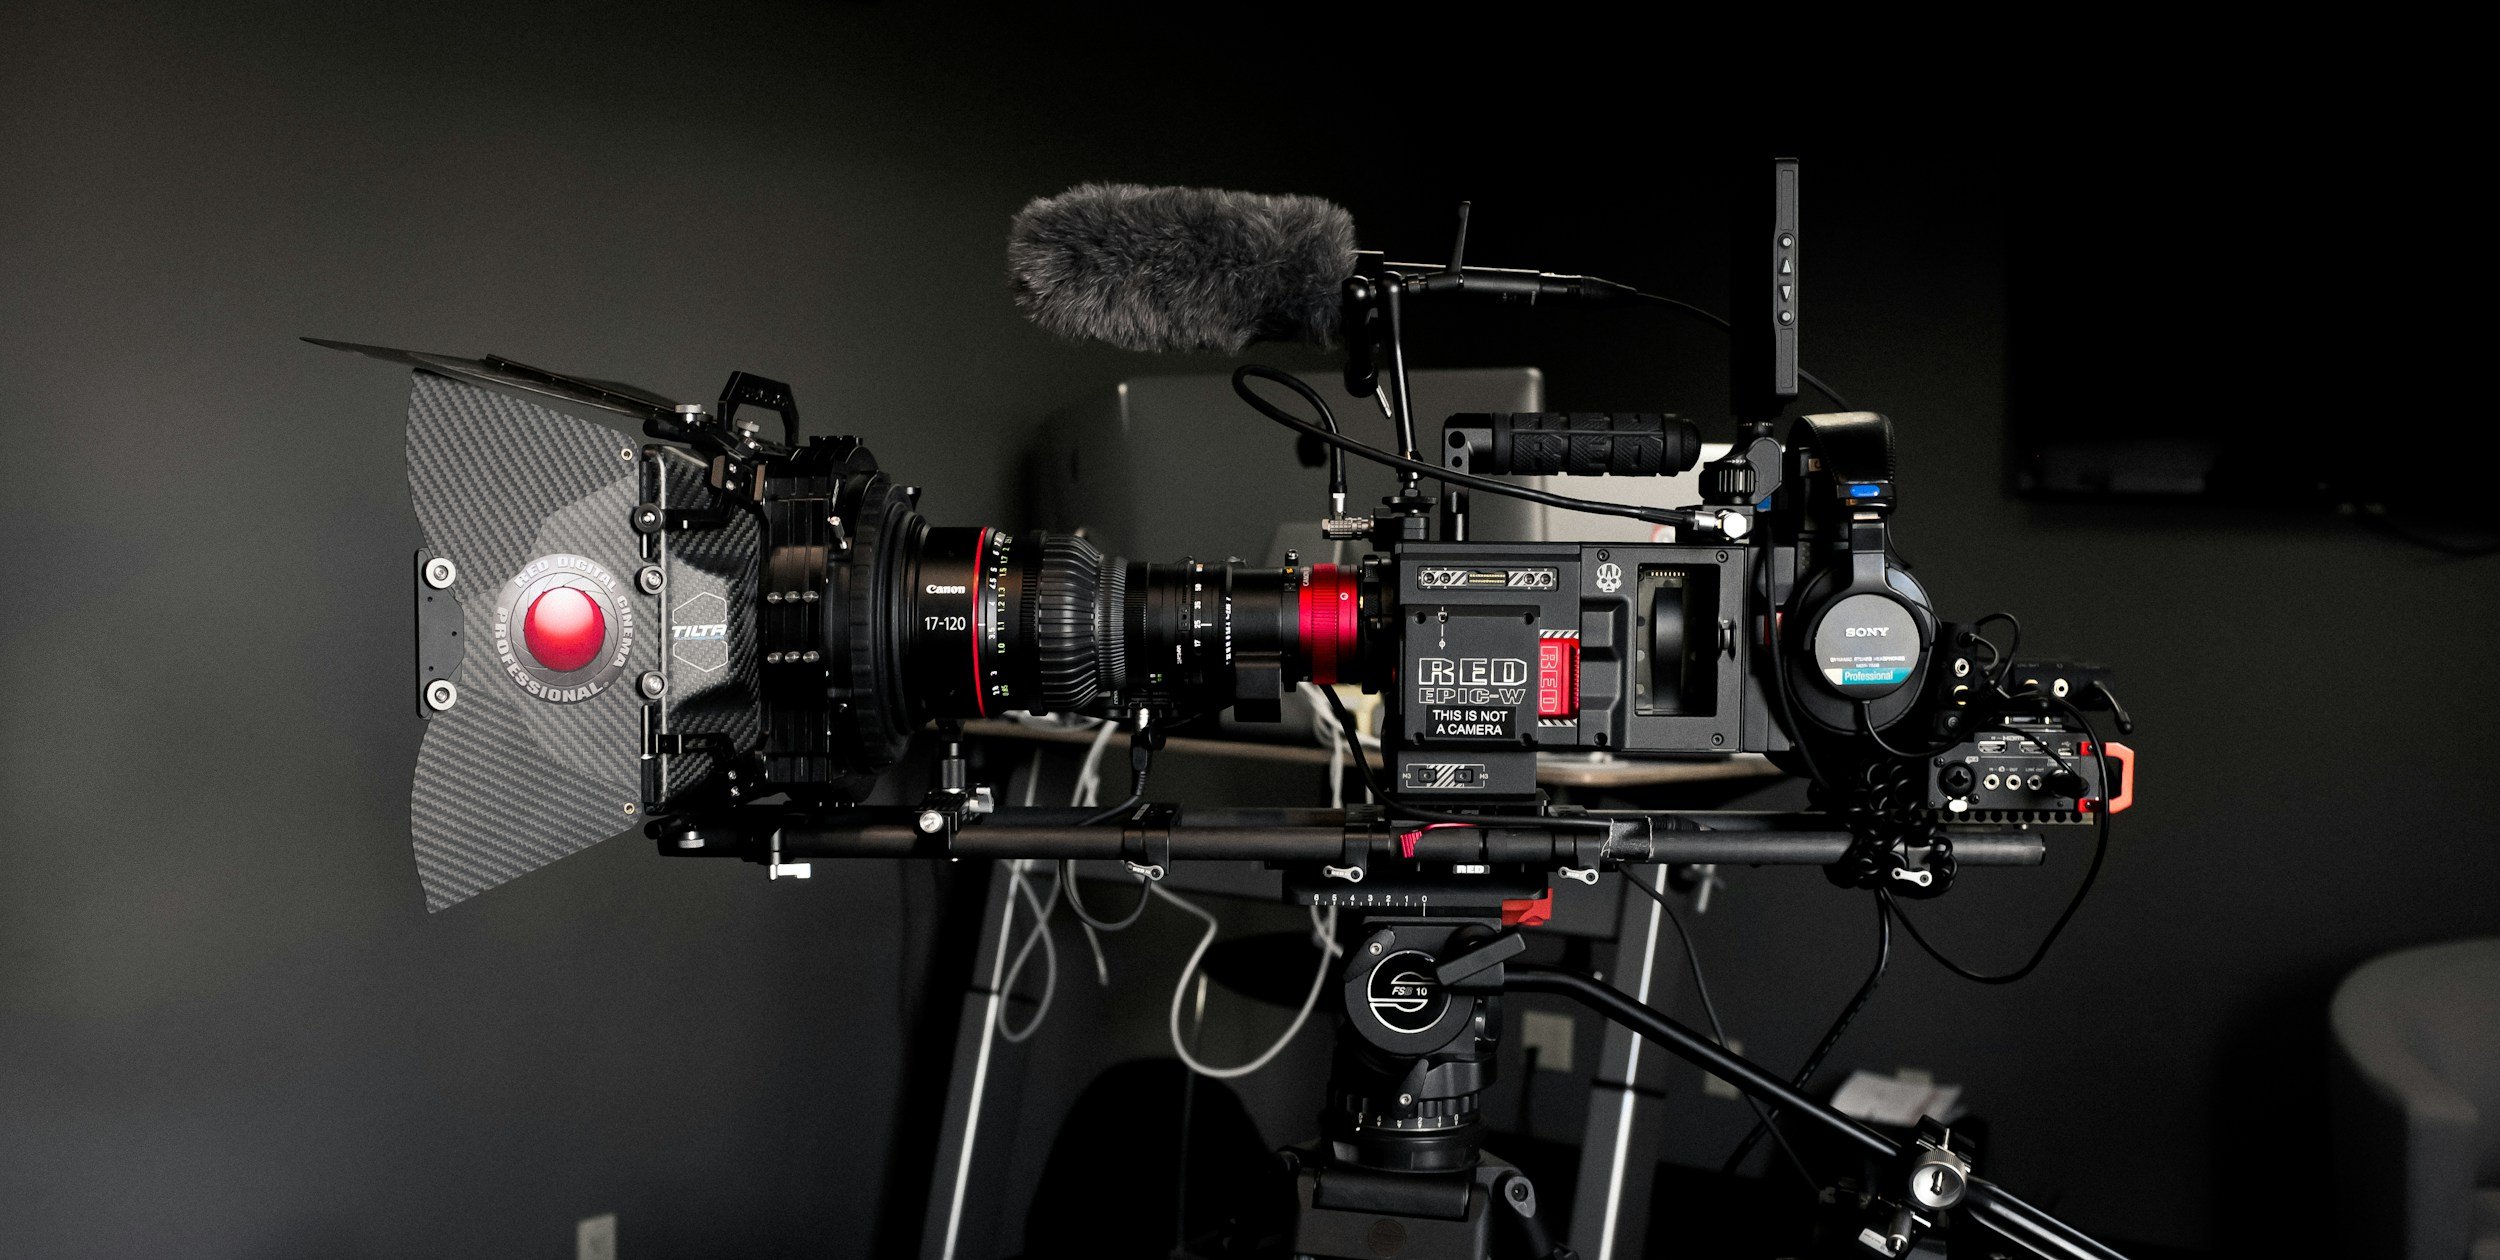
(562, 628)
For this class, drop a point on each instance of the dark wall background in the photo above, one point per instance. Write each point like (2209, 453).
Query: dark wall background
(226, 1024)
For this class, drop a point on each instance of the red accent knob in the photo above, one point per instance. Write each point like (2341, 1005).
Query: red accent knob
(564, 629)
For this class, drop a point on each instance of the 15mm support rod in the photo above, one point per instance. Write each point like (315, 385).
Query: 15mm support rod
(1319, 835)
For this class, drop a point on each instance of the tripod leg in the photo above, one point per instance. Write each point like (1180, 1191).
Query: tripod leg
(2008, 1215)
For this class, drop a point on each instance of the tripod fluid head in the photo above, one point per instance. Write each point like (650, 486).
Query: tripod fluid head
(1400, 1168)
(1414, 1055)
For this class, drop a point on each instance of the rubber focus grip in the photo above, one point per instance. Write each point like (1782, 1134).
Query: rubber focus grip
(1580, 443)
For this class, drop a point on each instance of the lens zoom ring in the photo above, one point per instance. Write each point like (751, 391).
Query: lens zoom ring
(1067, 616)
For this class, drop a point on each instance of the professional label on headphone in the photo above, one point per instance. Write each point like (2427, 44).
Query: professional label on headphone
(1463, 723)
(1867, 645)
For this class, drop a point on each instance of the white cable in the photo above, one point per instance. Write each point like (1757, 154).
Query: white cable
(1053, 721)
(1324, 721)
(1336, 767)
(1020, 882)
(1326, 935)
(1089, 775)
(1355, 711)
(1088, 793)
(1324, 724)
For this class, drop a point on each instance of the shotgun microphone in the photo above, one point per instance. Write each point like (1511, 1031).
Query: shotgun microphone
(1181, 268)
(1194, 269)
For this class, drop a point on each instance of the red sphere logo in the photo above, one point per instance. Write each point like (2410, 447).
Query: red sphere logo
(564, 629)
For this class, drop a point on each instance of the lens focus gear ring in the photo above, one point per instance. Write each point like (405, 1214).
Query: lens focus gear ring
(1111, 625)
(1067, 611)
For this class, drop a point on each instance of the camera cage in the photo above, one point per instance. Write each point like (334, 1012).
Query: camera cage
(1798, 532)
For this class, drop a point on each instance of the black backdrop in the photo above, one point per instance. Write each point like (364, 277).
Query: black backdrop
(228, 1028)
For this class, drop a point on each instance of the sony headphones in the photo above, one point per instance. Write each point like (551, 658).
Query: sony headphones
(1857, 632)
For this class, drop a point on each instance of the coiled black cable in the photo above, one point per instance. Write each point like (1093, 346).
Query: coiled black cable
(2100, 852)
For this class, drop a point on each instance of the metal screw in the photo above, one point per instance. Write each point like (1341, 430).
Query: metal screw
(1375, 947)
(440, 573)
(932, 821)
(812, 657)
(625, 453)
(650, 579)
(808, 596)
(441, 695)
(652, 684)
(1406, 1100)
(772, 597)
(629, 807)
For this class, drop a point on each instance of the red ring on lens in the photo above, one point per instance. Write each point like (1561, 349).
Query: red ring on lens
(1327, 614)
(972, 622)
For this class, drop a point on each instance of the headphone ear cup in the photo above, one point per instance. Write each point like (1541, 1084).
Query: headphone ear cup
(1860, 644)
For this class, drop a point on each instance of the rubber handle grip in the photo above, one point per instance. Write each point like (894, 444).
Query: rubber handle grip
(1580, 443)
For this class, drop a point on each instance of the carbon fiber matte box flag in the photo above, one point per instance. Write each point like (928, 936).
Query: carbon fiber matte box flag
(531, 762)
